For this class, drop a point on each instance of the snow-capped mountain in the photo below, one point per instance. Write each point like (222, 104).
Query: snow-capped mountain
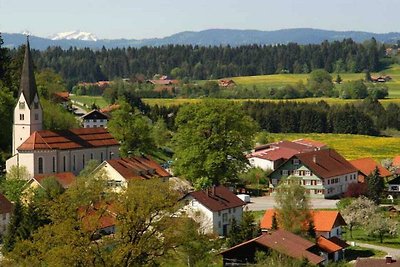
(74, 35)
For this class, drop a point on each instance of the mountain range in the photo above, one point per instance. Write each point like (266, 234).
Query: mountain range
(202, 38)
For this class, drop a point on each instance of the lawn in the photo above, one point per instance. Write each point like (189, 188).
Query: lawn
(351, 146)
(360, 235)
(89, 100)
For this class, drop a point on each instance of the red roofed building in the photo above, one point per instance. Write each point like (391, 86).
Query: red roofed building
(328, 228)
(387, 262)
(45, 152)
(121, 171)
(214, 208)
(367, 166)
(64, 178)
(280, 241)
(271, 156)
(6, 208)
(323, 173)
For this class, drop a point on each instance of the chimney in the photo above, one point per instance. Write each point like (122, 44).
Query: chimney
(388, 259)
(314, 158)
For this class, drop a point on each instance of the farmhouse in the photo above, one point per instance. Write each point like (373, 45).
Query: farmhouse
(272, 155)
(214, 208)
(394, 185)
(366, 166)
(323, 173)
(49, 152)
(328, 229)
(121, 171)
(281, 241)
(94, 119)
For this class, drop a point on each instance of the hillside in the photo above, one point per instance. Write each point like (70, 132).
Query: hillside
(210, 37)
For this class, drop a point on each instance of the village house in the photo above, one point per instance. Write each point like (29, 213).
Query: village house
(366, 166)
(328, 229)
(49, 152)
(6, 208)
(394, 186)
(226, 83)
(214, 208)
(280, 241)
(120, 171)
(323, 173)
(94, 119)
(65, 179)
(271, 156)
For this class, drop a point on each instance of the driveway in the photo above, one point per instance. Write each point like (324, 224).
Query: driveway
(268, 202)
(391, 251)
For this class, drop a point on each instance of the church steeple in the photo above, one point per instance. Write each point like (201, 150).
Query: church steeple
(28, 114)
(28, 83)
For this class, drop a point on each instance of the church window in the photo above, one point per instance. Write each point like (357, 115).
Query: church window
(36, 116)
(40, 165)
(21, 117)
(54, 164)
(64, 167)
(21, 105)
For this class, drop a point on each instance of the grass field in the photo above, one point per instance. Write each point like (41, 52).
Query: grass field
(89, 100)
(352, 146)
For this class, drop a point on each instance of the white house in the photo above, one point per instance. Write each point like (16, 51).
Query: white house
(49, 152)
(214, 208)
(394, 186)
(121, 171)
(271, 156)
(6, 208)
(94, 119)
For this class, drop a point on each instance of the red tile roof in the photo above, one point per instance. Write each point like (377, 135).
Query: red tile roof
(69, 139)
(324, 220)
(328, 245)
(217, 198)
(64, 178)
(110, 108)
(273, 154)
(368, 165)
(326, 163)
(310, 142)
(286, 243)
(97, 217)
(138, 168)
(5, 205)
(95, 114)
(396, 161)
(61, 96)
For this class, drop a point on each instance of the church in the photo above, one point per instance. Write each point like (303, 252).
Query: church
(49, 152)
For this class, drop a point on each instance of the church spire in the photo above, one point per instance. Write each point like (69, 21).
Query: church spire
(28, 83)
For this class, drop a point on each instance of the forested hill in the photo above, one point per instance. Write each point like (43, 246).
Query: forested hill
(198, 63)
(211, 38)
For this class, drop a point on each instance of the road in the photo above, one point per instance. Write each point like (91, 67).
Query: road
(391, 251)
(268, 202)
(78, 110)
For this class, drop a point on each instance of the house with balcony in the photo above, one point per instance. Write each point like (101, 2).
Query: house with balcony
(324, 173)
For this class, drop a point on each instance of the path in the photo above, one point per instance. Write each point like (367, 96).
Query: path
(78, 110)
(394, 252)
(268, 202)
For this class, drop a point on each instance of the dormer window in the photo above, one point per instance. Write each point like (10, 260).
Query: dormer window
(22, 105)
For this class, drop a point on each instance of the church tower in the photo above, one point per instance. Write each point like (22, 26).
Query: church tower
(28, 113)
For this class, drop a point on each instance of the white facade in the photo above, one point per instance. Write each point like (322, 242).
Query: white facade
(262, 163)
(94, 123)
(4, 221)
(338, 185)
(26, 120)
(218, 222)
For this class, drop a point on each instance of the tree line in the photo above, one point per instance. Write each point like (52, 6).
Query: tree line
(199, 62)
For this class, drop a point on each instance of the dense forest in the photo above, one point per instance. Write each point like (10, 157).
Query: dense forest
(197, 62)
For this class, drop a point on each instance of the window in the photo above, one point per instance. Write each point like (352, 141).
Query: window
(296, 161)
(54, 164)
(234, 210)
(308, 173)
(111, 153)
(36, 105)
(83, 160)
(40, 165)
(64, 168)
(91, 155)
(74, 163)
(224, 217)
(101, 157)
(21, 117)
(285, 172)
(36, 116)
(94, 120)
(21, 105)
(230, 211)
(219, 213)
(219, 224)
(308, 182)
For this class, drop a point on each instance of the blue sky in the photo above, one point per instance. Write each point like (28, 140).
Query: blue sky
(158, 18)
